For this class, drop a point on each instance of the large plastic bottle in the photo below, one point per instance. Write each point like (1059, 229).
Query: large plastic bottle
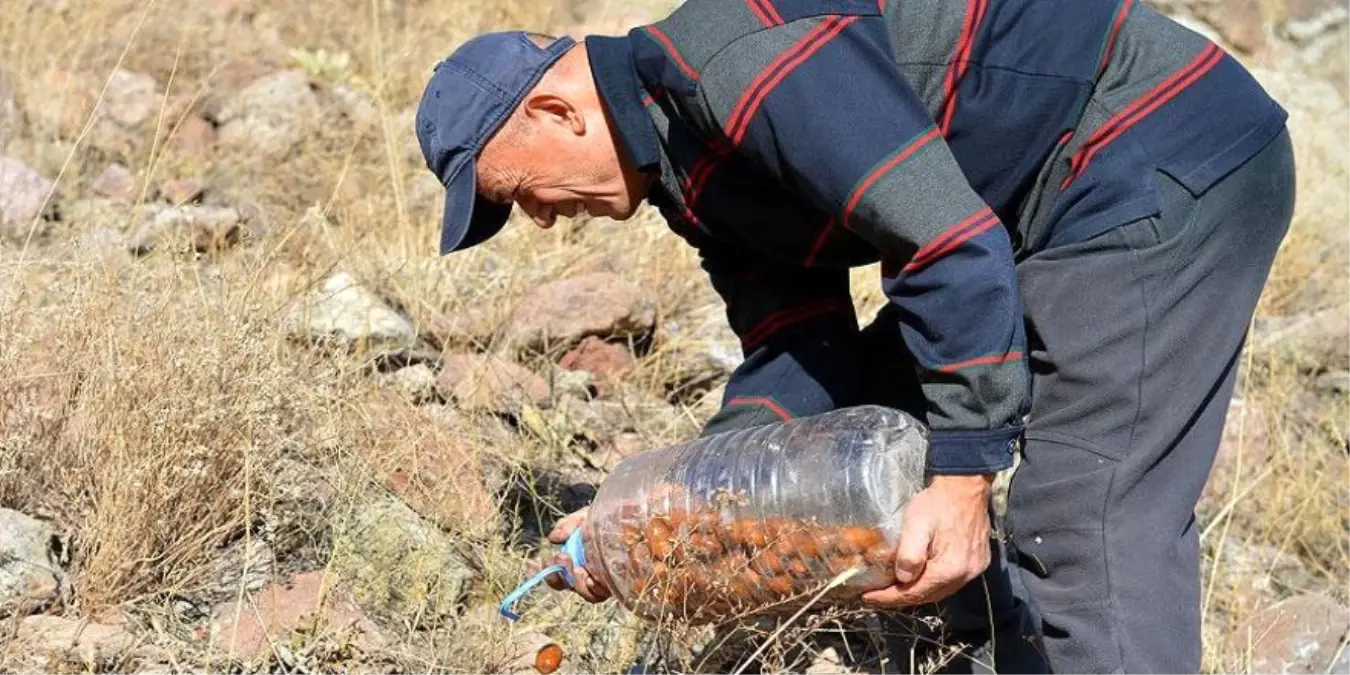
(758, 519)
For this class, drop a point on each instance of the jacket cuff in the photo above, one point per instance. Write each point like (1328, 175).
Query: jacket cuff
(969, 452)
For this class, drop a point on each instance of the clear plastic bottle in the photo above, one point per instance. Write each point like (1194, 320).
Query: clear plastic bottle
(760, 518)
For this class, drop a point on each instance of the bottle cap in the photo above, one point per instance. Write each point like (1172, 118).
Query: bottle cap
(574, 550)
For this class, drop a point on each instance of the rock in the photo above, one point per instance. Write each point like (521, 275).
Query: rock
(116, 183)
(827, 661)
(180, 192)
(306, 603)
(30, 574)
(1255, 575)
(488, 383)
(194, 136)
(1240, 22)
(470, 325)
(603, 360)
(1298, 635)
(1334, 382)
(130, 98)
(357, 106)
(62, 638)
(347, 314)
(247, 563)
(575, 383)
(1245, 446)
(1307, 19)
(563, 312)
(57, 103)
(623, 445)
(11, 119)
(398, 566)
(228, 79)
(271, 116)
(22, 194)
(417, 382)
(195, 228)
(1316, 341)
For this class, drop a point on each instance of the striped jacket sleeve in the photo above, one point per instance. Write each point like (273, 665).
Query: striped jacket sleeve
(819, 104)
(796, 328)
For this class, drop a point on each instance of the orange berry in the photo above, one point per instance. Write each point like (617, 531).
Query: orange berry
(548, 658)
(856, 539)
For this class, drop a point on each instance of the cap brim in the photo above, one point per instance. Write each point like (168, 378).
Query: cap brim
(469, 219)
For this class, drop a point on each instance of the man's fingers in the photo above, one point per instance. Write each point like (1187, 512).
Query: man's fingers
(563, 528)
(911, 555)
(936, 583)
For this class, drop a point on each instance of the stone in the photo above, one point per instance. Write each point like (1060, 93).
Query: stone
(562, 313)
(417, 382)
(1239, 22)
(23, 192)
(488, 383)
(357, 106)
(1244, 450)
(623, 445)
(245, 563)
(57, 103)
(1334, 382)
(194, 136)
(399, 566)
(347, 314)
(195, 228)
(270, 116)
(306, 603)
(470, 325)
(180, 192)
(63, 638)
(1254, 575)
(603, 360)
(30, 574)
(1305, 20)
(115, 182)
(11, 117)
(1316, 341)
(1298, 635)
(131, 98)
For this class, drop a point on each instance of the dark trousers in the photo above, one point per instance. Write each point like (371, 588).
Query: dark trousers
(1133, 339)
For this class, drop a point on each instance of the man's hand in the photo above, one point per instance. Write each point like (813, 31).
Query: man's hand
(587, 587)
(944, 542)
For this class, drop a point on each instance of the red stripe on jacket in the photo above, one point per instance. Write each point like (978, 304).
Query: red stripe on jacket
(980, 361)
(776, 321)
(956, 70)
(739, 120)
(881, 169)
(1121, 13)
(1141, 108)
(670, 48)
(950, 240)
(762, 401)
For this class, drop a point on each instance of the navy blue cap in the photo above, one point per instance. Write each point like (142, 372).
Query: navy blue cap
(470, 95)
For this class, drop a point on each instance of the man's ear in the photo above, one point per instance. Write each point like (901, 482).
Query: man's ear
(554, 109)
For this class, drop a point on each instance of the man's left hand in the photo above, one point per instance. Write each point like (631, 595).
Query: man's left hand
(944, 542)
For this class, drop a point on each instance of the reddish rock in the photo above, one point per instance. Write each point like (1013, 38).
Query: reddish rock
(488, 383)
(564, 312)
(195, 136)
(1244, 451)
(116, 182)
(179, 192)
(306, 603)
(1240, 22)
(1298, 635)
(604, 360)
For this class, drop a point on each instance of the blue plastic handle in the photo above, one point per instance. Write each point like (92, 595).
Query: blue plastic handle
(573, 549)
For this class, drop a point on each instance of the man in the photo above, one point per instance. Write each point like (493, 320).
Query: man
(1075, 204)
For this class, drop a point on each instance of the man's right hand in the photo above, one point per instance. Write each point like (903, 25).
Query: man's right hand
(586, 586)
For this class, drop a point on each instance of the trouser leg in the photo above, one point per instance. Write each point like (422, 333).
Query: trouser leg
(987, 625)
(1134, 339)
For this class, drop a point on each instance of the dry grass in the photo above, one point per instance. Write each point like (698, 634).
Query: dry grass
(155, 410)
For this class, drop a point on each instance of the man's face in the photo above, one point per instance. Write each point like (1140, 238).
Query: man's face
(558, 159)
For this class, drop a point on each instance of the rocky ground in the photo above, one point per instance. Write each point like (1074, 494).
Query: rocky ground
(249, 421)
